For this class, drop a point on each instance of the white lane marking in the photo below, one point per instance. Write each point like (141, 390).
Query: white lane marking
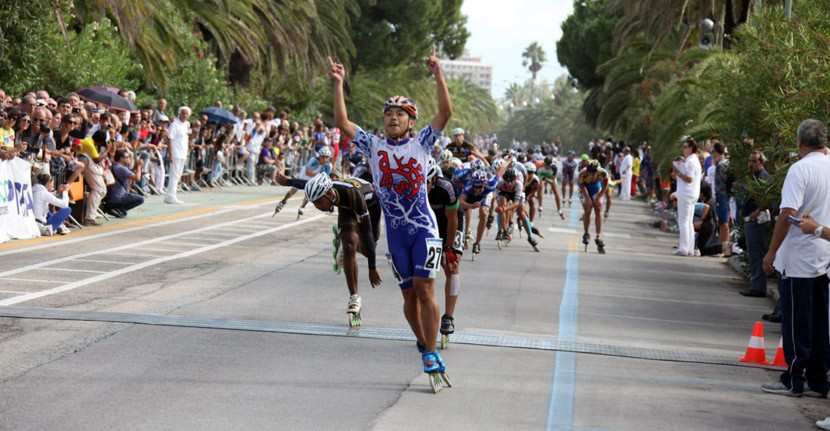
(218, 234)
(15, 292)
(111, 262)
(165, 250)
(134, 246)
(71, 270)
(574, 231)
(142, 265)
(187, 243)
(129, 255)
(239, 228)
(29, 280)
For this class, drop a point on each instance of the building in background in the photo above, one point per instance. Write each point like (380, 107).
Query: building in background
(471, 69)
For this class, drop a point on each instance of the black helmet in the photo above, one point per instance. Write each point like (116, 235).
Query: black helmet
(509, 175)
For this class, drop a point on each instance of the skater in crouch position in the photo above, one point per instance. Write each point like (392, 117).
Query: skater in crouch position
(398, 163)
(593, 187)
(357, 230)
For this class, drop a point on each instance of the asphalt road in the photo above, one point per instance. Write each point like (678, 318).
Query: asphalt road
(559, 340)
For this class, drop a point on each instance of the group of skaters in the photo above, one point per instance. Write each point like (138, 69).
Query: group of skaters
(428, 187)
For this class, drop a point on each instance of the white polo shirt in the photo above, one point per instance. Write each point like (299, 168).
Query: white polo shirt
(806, 190)
(691, 167)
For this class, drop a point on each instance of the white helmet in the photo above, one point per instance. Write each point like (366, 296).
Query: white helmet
(317, 187)
(456, 162)
(324, 152)
(446, 155)
(531, 167)
(432, 169)
(457, 131)
(498, 163)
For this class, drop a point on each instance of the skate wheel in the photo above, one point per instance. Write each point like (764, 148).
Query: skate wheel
(445, 341)
(435, 382)
(446, 379)
(355, 320)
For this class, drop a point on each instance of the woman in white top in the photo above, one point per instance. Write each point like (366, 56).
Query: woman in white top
(42, 197)
(689, 174)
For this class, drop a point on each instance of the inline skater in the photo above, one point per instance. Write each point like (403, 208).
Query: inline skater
(479, 195)
(444, 202)
(399, 174)
(511, 199)
(593, 186)
(357, 229)
(462, 149)
(321, 163)
(569, 170)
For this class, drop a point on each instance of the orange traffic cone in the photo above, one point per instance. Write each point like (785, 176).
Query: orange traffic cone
(755, 353)
(779, 360)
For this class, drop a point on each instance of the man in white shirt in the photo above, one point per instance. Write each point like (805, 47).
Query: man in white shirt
(803, 261)
(179, 139)
(689, 173)
(42, 197)
(625, 174)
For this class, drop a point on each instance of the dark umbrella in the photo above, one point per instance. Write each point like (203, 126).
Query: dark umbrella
(219, 115)
(104, 96)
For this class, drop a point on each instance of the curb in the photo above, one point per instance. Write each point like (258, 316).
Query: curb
(737, 264)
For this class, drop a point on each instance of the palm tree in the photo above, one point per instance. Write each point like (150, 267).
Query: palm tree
(265, 33)
(534, 57)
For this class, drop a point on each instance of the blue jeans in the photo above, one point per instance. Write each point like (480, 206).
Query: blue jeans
(57, 218)
(756, 245)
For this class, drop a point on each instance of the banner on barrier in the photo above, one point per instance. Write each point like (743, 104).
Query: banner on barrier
(17, 217)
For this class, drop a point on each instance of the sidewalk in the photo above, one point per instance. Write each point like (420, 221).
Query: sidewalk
(154, 210)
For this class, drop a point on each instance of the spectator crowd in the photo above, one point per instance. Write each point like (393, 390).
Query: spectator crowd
(91, 162)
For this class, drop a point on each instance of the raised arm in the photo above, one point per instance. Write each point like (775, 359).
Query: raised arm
(444, 100)
(337, 73)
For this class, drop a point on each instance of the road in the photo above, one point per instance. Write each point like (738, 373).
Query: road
(216, 316)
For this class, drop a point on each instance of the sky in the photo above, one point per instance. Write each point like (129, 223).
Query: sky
(501, 30)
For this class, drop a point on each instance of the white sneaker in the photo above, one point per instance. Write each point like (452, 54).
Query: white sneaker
(824, 423)
(680, 253)
(63, 230)
(354, 304)
(173, 201)
(697, 252)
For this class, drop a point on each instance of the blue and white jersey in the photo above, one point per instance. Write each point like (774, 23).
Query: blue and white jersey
(315, 167)
(399, 174)
(470, 195)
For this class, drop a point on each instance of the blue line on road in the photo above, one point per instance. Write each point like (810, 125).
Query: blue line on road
(563, 384)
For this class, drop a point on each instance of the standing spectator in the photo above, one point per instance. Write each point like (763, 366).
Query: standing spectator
(42, 197)
(7, 123)
(803, 260)
(94, 176)
(626, 174)
(635, 173)
(688, 173)
(161, 110)
(119, 199)
(756, 219)
(723, 191)
(179, 137)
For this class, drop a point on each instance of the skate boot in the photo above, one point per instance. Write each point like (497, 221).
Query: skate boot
(299, 213)
(536, 232)
(437, 371)
(500, 235)
(476, 248)
(447, 328)
(490, 220)
(353, 310)
(541, 209)
(335, 243)
(421, 348)
(534, 244)
(600, 246)
(586, 239)
(278, 208)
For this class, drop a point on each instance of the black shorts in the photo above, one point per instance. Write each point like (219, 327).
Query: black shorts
(510, 196)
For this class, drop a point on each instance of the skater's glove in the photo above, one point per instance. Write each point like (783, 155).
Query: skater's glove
(452, 257)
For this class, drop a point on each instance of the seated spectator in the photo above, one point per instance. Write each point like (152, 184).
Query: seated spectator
(267, 163)
(42, 197)
(119, 199)
(706, 243)
(7, 122)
